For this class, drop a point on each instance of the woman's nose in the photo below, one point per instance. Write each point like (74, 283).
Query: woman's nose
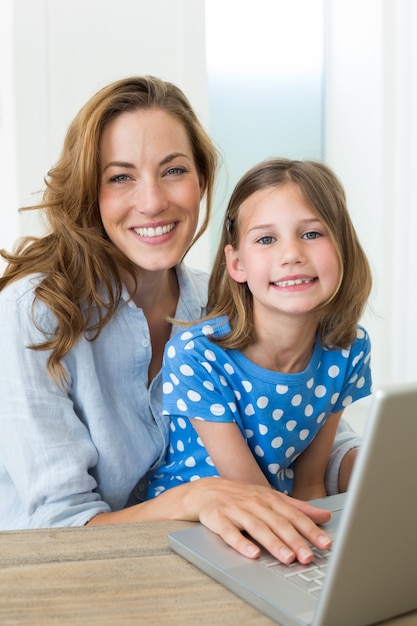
(150, 198)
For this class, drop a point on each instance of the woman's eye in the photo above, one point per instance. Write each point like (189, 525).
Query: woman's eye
(266, 240)
(119, 178)
(175, 171)
(311, 235)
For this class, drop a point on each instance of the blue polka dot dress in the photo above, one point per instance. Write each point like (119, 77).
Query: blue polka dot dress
(278, 414)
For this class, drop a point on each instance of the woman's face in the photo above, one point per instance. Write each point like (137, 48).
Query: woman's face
(150, 189)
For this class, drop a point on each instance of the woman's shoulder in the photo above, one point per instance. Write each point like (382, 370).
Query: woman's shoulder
(22, 288)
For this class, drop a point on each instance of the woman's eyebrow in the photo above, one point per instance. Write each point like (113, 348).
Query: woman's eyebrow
(123, 164)
(174, 155)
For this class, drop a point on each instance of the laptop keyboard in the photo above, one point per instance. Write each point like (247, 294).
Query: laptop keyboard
(309, 577)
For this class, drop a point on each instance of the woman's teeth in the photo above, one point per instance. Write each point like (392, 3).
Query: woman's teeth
(154, 232)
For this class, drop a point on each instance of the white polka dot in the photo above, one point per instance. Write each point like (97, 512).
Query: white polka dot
(207, 330)
(180, 446)
(217, 409)
(167, 387)
(289, 473)
(159, 490)
(348, 400)
(171, 352)
(354, 378)
(360, 333)
(310, 383)
(291, 424)
(248, 433)
(189, 345)
(335, 397)
(208, 385)
(207, 366)
(321, 418)
(194, 478)
(333, 371)
(304, 434)
(232, 406)
(181, 404)
(249, 410)
(237, 394)
(274, 468)
(209, 461)
(186, 370)
(200, 443)
(358, 358)
(190, 462)
(194, 396)
(259, 451)
(277, 442)
(281, 389)
(289, 452)
(210, 356)
(223, 381)
(320, 391)
(182, 423)
(229, 368)
(263, 429)
(262, 402)
(296, 400)
(277, 414)
(345, 353)
(361, 382)
(172, 426)
(308, 411)
(186, 335)
(174, 379)
(247, 385)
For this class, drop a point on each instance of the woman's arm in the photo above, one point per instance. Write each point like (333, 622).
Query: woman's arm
(310, 467)
(283, 525)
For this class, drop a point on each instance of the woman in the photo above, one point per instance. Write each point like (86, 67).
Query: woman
(83, 313)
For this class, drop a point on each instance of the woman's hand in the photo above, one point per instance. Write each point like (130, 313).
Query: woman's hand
(283, 525)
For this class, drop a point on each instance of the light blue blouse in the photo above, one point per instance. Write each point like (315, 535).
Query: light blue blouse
(66, 456)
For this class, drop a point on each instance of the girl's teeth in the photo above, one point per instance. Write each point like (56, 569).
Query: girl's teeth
(291, 283)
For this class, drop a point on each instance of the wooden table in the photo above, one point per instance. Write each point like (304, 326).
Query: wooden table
(114, 575)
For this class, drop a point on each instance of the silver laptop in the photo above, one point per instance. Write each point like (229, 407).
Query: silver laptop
(371, 572)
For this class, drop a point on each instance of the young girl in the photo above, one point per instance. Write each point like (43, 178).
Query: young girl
(255, 390)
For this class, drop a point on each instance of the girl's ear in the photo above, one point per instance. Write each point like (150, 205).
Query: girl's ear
(234, 266)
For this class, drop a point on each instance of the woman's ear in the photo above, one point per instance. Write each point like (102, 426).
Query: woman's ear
(234, 265)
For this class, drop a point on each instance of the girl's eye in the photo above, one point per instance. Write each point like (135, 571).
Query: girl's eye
(266, 240)
(119, 178)
(311, 235)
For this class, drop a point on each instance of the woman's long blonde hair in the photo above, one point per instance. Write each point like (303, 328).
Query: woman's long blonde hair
(78, 262)
(323, 193)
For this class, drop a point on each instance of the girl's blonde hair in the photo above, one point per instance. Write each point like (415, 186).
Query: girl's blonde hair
(77, 260)
(323, 193)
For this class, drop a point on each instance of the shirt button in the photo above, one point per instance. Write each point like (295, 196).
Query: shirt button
(145, 343)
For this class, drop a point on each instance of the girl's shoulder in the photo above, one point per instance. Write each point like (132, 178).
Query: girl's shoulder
(201, 332)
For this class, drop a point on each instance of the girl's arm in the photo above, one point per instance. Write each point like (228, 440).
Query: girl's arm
(229, 451)
(310, 467)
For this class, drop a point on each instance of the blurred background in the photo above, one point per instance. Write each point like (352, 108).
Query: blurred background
(334, 80)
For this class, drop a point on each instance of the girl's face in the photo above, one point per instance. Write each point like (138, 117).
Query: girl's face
(286, 254)
(150, 189)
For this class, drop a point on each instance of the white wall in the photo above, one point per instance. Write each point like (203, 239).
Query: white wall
(63, 51)
(371, 141)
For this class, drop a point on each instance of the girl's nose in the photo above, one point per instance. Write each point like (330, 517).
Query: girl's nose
(291, 252)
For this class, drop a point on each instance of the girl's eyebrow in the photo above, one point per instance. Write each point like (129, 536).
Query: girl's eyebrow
(306, 222)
